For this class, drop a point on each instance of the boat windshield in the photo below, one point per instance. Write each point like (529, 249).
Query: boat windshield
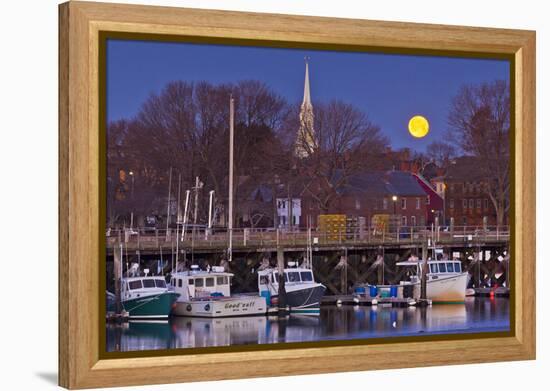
(293, 276)
(442, 268)
(306, 276)
(135, 284)
(148, 283)
(160, 283)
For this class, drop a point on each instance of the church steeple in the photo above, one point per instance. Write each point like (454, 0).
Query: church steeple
(307, 96)
(305, 140)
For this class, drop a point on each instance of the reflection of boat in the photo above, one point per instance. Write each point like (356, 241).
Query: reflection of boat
(208, 294)
(144, 297)
(446, 283)
(303, 294)
(139, 335)
(202, 332)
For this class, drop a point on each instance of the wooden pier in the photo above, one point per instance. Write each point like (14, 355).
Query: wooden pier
(340, 263)
(371, 301)
(495, 292)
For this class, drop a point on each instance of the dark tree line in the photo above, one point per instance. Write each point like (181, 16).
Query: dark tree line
(185, 127)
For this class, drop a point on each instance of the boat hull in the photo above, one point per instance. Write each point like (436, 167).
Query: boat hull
(221, 307)
(302, 299)
(445, 290)
(157, 306)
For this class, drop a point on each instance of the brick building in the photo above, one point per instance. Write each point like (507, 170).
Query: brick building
(368, 194)
(466, 199)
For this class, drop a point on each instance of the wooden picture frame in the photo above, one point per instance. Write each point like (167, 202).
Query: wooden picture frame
(80, 362)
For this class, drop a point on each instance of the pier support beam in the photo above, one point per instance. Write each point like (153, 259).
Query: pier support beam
(117, 266)
(423, 281)
(282, 291)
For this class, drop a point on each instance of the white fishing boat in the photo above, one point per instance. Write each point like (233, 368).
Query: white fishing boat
(207, 293)
(303, 294)
(446, 282)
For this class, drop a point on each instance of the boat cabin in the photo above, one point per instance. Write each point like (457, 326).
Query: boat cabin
(200, 284)
(134, 287)
(270, 277)
(436, 269)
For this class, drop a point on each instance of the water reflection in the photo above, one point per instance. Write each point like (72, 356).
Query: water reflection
(334, 323)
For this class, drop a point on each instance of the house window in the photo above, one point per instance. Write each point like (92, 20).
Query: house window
(451, 203)
(486, 203)
(404, 220)
(385, 203)
(417, 203)
(413, 221)
(471, 203)
(464, 203)
(283, 220)
(427, 200)
(478, 203)
(403, 203)
(464, 220)
(357, 204)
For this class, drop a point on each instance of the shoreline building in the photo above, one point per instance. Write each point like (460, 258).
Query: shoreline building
(305, 140)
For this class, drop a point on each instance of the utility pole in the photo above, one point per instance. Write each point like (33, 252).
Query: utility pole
(231, 141)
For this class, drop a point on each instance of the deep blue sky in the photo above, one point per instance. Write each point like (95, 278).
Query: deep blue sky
(389, 88)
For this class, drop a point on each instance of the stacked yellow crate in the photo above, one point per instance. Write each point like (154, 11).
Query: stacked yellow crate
(333, 226)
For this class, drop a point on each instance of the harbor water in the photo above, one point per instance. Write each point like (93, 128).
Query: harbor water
(477, 315)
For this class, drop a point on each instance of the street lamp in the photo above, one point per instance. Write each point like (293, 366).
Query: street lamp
(394, 199)
(131, 173)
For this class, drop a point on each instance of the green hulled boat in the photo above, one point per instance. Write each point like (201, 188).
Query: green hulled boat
(145, 297)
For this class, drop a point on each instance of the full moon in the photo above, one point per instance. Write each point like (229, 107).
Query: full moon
(419, 126)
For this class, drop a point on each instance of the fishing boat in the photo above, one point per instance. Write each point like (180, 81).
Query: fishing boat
(303, 294)
(207, 293)
(445, 281)
(144, 297)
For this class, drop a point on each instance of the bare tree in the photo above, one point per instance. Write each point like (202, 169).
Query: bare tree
(345, 140)
(185, 127)
(441, 153)
(479, 121)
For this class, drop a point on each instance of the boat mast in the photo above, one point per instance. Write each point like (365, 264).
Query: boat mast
(177, 222)
(231, 140)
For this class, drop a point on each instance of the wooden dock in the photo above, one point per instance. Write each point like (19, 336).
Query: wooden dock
(371, 301)
(496, 292)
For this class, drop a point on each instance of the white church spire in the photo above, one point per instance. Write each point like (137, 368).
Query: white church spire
(307, 95)
(305, 140)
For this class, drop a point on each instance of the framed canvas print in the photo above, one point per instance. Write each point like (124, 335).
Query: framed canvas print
(329, 194)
